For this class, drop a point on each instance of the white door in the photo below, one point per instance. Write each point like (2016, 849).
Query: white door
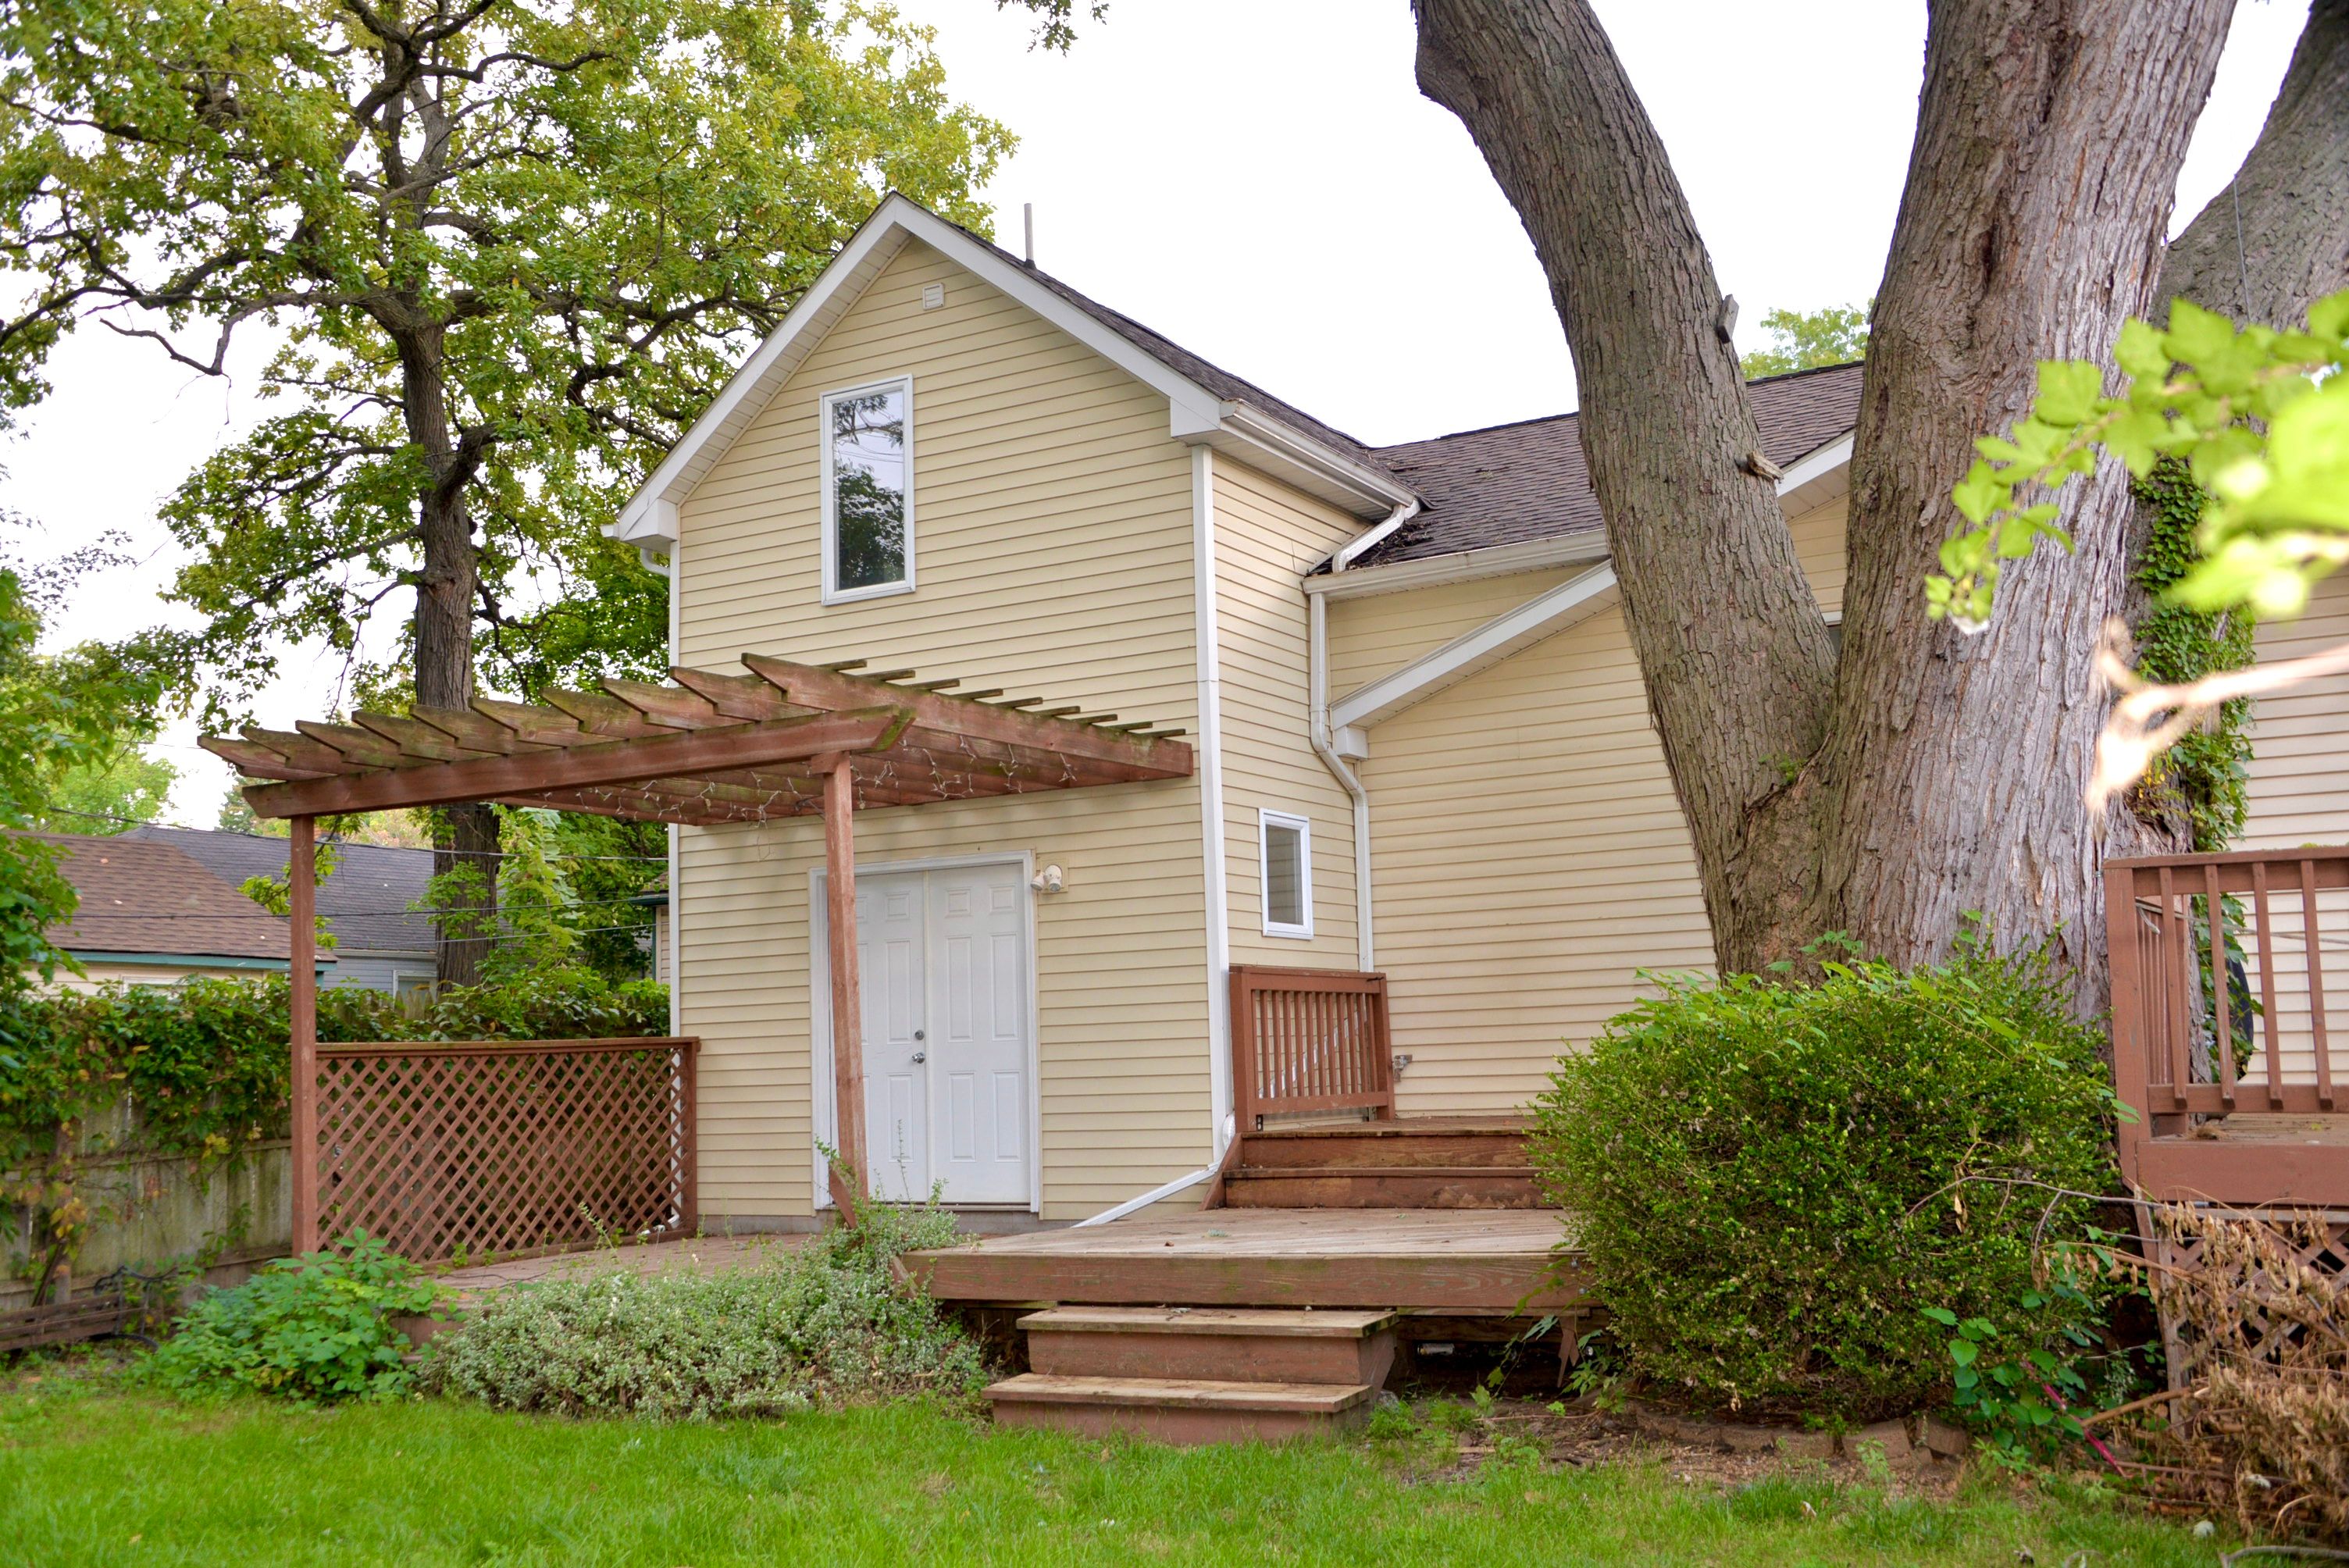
(942, 958)
(891, 960)
(978, 1038)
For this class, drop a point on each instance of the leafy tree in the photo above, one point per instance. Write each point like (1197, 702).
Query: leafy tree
(507, 249)
(2047, 145)
(109, 792)
(1807, 339)
(58, 714)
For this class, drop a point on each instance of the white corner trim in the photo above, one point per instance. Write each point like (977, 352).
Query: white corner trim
(1205, 631)
(1582, 549)
(1571, 601)
(1192, 410)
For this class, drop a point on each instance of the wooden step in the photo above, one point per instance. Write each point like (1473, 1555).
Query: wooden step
(1399, 1187)
(1387, 1146)
(1179, 1409)
(1224, 1344)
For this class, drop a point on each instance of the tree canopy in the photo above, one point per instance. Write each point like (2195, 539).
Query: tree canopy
(505, 250)
(1808, 339)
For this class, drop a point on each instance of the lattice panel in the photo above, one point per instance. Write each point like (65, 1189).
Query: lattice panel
(479, 1150)
(2264, 1321)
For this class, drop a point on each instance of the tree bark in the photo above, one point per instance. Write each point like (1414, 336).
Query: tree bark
(2050, 134)
(2277, 239)
(1925, 775)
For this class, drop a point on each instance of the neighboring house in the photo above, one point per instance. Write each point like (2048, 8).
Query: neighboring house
(656, 898)
(1423, 742)
(152, 916)
(381, 940)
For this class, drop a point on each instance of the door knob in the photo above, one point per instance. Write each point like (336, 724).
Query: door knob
(921, 1034)
(921, 1056)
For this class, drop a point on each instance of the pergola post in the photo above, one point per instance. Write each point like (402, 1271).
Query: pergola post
(848, 1169)
(302, 964)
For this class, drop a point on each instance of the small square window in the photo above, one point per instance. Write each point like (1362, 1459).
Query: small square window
(1286, 858)
(868, 491)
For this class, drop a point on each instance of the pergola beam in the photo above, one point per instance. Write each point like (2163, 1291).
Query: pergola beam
(613, 762)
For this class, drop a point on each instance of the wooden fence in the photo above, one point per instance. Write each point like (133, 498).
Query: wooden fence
(1310, 1040)
(498, 1149)
(2229, 986)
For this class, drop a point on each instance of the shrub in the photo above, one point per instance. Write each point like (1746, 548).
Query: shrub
(826, 1322)
(312, 1328)
(1772, 1183)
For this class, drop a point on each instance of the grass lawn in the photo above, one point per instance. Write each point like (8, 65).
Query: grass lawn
(91, 1472)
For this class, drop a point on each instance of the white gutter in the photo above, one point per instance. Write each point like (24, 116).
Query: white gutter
(1317, 613)
(676, 883)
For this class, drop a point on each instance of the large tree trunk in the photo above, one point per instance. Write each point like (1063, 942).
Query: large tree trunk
(1928, 774)
(1736, 658)
(2050, 134)
(466, 836)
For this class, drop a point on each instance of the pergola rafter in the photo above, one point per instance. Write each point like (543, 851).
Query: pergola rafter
(714, 748)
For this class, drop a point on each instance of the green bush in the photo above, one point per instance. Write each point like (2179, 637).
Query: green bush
(1772, 1183)
(314, 1328)
(825, 1323)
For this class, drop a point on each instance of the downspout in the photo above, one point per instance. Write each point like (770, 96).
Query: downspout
(1325, 742)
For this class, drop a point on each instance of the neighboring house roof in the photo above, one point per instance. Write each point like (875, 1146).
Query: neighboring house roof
(139, 896)
(366, 901)
(1512, 483)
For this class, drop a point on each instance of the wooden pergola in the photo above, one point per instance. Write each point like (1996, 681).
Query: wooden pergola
(713, 748)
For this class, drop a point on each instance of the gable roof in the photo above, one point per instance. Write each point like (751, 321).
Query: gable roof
(142, 896)
(1204, 404)
(365, 901)
(1513, 483)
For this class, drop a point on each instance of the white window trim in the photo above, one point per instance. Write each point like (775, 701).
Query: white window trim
(1266, 819)
(833, 592)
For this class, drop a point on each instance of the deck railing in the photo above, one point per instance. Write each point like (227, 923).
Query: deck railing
(1310, 1040)
(485, 1149)
(2230, 983)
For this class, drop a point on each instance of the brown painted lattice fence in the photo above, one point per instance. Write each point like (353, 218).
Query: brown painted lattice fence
(1310, 1040)
(498, 1149)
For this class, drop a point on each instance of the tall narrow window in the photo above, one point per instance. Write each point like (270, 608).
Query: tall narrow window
(868, 491)
(1287, 863)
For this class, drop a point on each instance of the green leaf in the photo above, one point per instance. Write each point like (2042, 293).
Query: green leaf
(1963, 1351)
(2068, 391)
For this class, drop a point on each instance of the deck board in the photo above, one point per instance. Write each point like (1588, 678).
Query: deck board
(1418, 1259)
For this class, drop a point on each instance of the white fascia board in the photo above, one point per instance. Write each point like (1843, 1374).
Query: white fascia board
(1461, 566)
(1261, 443)
(1546, 615)
(1818, 475)
(1192, 410)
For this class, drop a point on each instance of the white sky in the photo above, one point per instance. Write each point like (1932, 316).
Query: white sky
(1261, 181)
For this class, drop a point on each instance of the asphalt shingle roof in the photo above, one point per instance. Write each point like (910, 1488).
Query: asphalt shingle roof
(1511, 483)
(365, 901)
(142, 896)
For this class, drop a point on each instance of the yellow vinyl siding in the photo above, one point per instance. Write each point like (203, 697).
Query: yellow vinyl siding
(1053, 558)
(1528, 856)
(2300, 737)
(2300, 795)
(1267, 535)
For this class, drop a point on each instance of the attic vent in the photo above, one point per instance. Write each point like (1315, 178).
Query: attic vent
(933, 295)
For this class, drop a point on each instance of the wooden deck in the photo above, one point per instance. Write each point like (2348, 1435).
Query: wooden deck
(1488, 1262)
